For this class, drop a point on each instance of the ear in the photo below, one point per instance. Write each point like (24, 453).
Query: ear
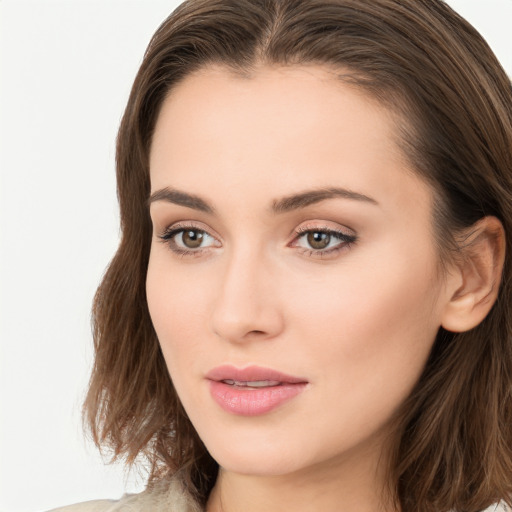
(475, 277)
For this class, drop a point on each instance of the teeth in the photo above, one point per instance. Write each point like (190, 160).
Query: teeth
(252, 384)
(262, 383)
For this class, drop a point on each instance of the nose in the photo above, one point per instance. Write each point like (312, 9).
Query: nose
(247, 306)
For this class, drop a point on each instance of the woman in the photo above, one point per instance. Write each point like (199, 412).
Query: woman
(316, 208)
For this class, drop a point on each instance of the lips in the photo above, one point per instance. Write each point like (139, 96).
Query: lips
(253, 390)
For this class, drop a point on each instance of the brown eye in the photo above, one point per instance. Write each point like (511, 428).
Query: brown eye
(188, 240)
(322, 242)
(192, 238)
(318, 239)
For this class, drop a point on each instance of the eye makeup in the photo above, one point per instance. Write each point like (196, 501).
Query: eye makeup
(188, 239)
(322, 241)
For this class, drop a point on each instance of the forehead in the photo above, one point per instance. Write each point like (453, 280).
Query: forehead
(283, 129)
(289, 105)
(269, 93)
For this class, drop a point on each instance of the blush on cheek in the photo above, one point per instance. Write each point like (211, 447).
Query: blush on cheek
(366, 324)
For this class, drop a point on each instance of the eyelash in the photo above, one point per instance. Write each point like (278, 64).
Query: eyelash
(167, 237)
(346, 240)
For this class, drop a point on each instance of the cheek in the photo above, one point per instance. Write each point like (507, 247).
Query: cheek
(377, 322)
(367, 338)
(177, 303)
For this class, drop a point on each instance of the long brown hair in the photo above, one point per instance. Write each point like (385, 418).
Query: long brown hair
(430, 67)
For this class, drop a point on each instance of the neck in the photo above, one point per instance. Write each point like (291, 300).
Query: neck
(337, 485)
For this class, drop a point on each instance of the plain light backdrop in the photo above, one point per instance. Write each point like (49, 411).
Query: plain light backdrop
(66, 71)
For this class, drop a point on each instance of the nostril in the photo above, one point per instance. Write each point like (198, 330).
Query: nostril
(238, 317)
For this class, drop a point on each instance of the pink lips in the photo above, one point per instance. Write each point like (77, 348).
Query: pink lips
(253, 390)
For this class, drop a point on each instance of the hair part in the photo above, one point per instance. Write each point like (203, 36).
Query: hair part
(453, 109)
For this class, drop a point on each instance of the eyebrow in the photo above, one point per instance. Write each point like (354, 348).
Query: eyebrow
(174, 196)
(309, 197)
(283, 205)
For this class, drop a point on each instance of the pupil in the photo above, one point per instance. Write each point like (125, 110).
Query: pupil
(192, 239)
(318, 240)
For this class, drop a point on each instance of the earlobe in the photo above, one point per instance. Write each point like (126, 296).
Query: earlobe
(476, 276)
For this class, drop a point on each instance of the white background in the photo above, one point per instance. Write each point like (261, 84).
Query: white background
(66, 70)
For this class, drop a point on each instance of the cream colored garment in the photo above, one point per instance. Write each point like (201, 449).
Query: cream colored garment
(168, 497)
(172, 498)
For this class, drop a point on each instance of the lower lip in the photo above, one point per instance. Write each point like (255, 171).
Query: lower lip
(246, 401)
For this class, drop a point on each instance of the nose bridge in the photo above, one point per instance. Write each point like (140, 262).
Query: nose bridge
(246, 305)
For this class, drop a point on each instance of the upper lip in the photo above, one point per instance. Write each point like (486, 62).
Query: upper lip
(251, 374)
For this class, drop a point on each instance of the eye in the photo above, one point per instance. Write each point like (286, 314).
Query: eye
(187, 239)
(320, 241)
(190, 238)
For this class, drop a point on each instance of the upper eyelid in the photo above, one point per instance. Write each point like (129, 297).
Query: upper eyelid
(311, 225)
(319, 225)
(187, 225)
(338, 233)
(341, 229)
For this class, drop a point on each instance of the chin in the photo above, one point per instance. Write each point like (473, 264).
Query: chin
(258, 463)
(255, 452)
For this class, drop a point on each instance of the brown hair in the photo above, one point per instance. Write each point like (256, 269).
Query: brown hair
(454, 448)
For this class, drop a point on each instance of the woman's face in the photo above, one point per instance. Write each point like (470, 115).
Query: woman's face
(293, 281)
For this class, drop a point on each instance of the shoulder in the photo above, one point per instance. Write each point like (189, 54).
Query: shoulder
(500, 507)
(128, 503)
(89, 506)
(166, 496)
